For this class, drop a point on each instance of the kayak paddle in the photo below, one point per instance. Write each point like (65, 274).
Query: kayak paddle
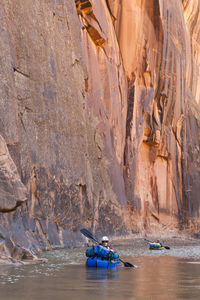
(89, 235)
(166, 247)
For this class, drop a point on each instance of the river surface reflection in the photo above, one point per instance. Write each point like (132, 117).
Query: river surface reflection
(160, 275)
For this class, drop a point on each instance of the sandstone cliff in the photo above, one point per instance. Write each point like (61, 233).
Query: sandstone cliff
(100, 120)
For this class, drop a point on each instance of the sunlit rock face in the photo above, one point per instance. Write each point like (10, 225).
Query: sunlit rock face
(100, 120)
(159, 45)
(159, 42)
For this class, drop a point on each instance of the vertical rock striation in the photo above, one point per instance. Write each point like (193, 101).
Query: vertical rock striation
(54, 139)
(159, 42)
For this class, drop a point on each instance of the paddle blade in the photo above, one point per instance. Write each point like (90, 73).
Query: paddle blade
(148, 241)
(166, 247)
(88, 234)
(128, 265)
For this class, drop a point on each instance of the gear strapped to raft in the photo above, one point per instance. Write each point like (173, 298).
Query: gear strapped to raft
(103, 252)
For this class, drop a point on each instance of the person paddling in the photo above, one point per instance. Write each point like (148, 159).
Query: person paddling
(112, 254)
(161, 244)
(153, 244)
(91, 252)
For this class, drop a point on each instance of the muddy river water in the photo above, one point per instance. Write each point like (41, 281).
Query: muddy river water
(166, 274)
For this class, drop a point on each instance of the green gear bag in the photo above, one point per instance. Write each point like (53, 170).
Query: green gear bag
(90, 252)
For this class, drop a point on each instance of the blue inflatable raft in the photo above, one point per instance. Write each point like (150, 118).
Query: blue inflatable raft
(98, 262)
(155, 246)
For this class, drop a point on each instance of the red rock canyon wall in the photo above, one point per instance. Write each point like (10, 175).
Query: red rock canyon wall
(99, 120)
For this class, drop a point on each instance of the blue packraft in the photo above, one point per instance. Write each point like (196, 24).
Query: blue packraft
(155, 246)
(98, 262)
